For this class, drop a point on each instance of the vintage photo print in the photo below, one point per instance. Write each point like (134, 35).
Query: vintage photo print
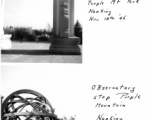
(41, 31)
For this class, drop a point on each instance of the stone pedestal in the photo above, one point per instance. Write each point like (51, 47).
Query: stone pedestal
(6, 41)
(64, 41)
(68, 46)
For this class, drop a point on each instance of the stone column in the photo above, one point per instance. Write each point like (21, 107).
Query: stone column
(64, 18)
(71, 17)
(5, 39)
(63, 40)
(56, 4)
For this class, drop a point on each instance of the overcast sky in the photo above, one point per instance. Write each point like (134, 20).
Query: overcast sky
(32, 13)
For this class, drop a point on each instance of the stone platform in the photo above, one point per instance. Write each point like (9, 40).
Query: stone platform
(65, 46)
(33, 52)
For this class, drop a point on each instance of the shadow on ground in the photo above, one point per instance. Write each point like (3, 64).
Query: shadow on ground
(26, 52)
(30, 52)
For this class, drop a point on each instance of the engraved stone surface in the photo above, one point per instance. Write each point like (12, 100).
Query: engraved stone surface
(64, 41)
(64, 20)
(68, 46)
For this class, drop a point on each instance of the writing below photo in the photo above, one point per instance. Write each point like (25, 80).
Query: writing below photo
(52, 34)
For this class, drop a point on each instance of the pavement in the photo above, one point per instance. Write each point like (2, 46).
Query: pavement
(33, 52)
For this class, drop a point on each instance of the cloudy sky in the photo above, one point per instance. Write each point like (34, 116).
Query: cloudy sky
(32, 13)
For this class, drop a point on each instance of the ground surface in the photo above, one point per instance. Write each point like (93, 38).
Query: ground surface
(32, 52)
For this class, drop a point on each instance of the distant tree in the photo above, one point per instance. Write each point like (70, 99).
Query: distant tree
(25, 33)
(44, 32)
(30, 34)
(78, 30)
(38, 32)
(48, 27)
(49, 30)
(21, 33)
(50, 33)
(9, 30)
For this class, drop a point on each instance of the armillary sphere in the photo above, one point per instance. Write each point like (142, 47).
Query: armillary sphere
(27, 105)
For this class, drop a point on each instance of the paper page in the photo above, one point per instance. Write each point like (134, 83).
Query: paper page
(113, 79)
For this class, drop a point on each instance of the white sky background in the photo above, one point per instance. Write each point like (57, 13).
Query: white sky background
(33, 13)
(64, 89)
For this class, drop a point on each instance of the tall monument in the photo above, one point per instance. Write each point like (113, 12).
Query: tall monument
(63, 40)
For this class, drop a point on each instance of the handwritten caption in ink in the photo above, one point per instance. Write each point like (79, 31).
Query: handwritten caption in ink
(97, 7)
(121, 93)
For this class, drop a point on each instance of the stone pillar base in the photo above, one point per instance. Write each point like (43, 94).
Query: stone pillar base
(65, 46)
(6, 41)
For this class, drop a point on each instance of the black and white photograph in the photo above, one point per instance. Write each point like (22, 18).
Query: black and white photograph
(95, 55)
(41, 31)
(35, 94)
